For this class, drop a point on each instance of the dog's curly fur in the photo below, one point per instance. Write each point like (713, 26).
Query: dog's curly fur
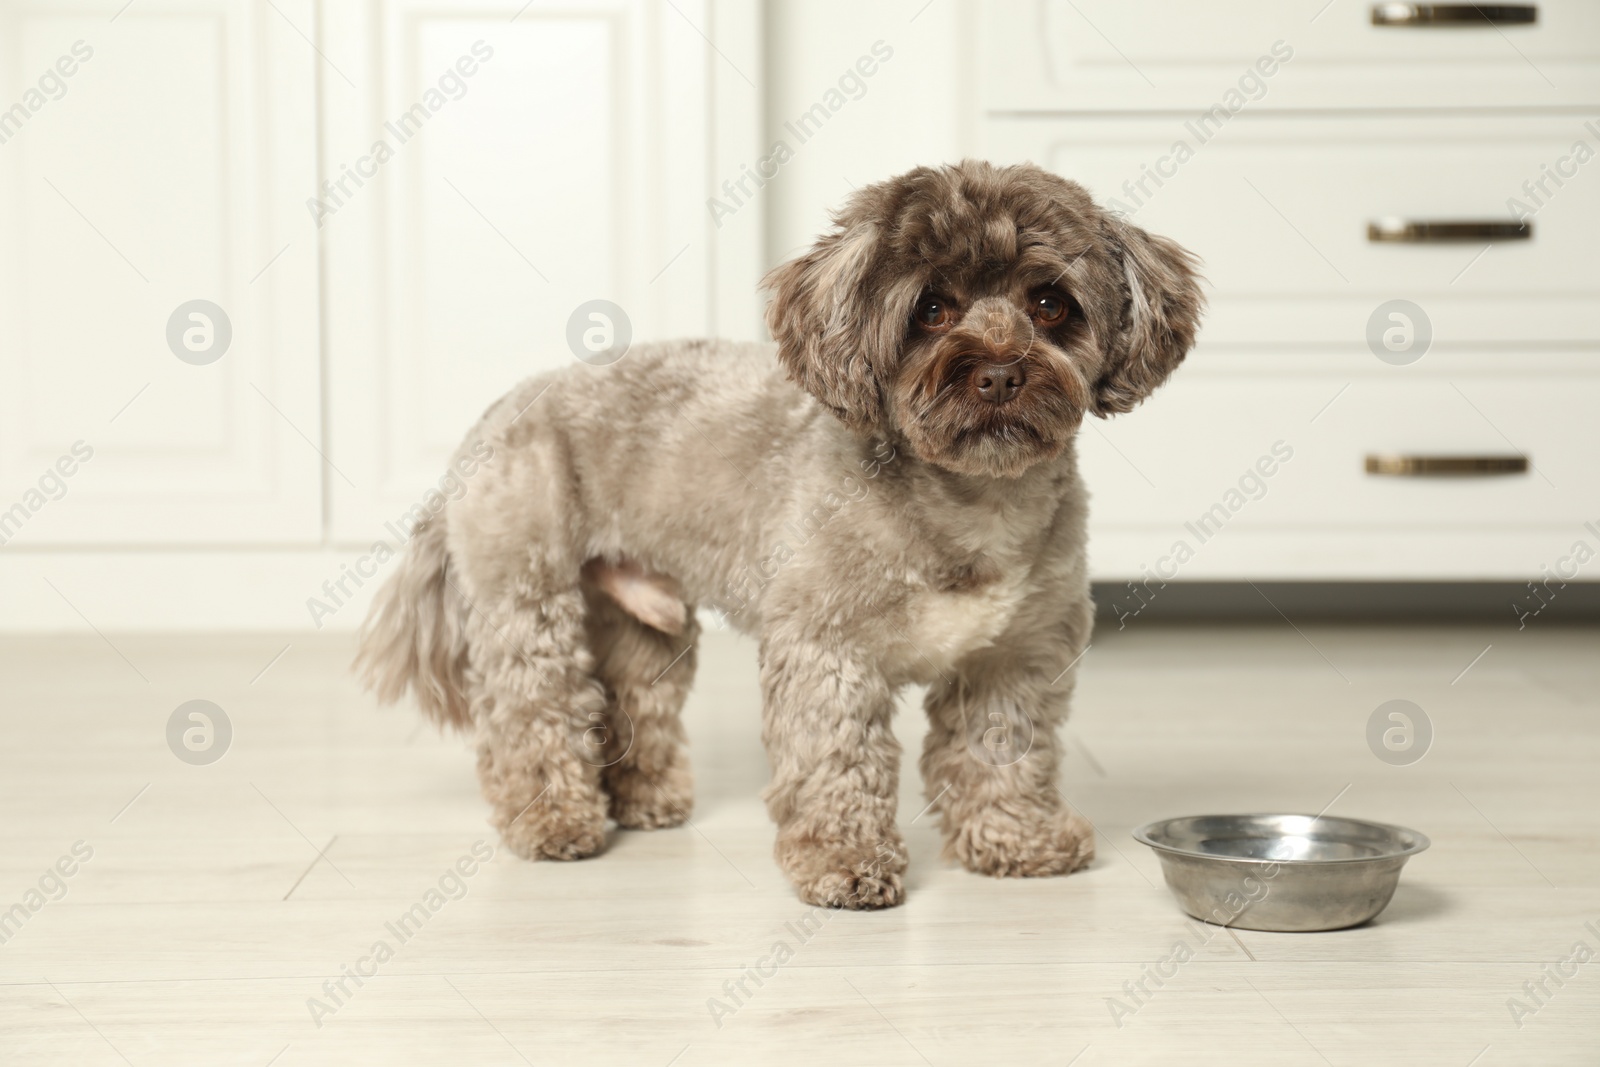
(881, 524)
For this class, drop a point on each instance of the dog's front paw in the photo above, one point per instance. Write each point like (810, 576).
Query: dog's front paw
(1033, 845)
(851, 889)
(835, 875)
(644, 801)
(569, 831)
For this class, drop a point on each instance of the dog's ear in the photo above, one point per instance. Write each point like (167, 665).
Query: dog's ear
(1161, 312)
(833, 336)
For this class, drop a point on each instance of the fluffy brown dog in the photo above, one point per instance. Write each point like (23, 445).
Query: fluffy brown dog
(911, 513)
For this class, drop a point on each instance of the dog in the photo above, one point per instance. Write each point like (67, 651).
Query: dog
(889, 495)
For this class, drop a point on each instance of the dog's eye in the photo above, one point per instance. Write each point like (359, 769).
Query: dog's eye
(1049, 308)
(935, 313)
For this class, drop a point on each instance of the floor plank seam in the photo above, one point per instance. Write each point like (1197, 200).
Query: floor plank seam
(315, 860)
(1242, 947)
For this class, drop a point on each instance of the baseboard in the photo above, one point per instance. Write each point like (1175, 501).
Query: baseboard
(242, 590)
(1435, 602)
(186, 590)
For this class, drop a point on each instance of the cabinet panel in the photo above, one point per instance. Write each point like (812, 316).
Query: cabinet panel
(152, 160)
(568, 166)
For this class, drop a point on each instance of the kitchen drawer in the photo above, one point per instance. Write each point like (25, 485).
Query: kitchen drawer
(1245, 447)
(1278, 207)
(1120, 55)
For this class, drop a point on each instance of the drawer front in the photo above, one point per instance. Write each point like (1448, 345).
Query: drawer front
(1283, 211)
(1243, 447)
(1117, 55)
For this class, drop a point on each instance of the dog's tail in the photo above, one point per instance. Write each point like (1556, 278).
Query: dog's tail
(415, 633)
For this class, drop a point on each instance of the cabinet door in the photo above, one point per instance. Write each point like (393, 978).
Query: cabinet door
(158, 274)
(492, 167)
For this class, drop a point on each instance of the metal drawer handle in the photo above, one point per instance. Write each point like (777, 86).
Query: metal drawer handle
(1455, 14)
(1446, 466)
(1407, 231)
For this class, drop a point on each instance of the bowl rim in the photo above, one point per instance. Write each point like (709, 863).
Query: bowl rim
(1419, 843)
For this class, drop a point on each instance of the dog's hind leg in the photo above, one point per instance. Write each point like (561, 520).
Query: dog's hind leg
(534, 696)
(646, 673)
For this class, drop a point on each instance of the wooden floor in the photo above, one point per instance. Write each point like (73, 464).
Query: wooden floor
(220, 899)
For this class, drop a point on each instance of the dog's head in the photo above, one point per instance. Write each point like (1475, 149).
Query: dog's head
(980, 312)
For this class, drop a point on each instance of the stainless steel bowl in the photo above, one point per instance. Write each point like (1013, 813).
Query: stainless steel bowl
(1281, 872)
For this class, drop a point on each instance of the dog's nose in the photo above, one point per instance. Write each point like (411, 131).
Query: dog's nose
(999, 382)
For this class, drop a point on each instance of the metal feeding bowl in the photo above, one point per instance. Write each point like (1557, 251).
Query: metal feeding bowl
(1281, 872)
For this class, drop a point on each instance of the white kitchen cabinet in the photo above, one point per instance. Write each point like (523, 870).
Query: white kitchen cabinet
(536, 156)
(1289, 145)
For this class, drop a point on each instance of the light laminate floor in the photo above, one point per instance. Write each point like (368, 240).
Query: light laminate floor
(219, 899)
